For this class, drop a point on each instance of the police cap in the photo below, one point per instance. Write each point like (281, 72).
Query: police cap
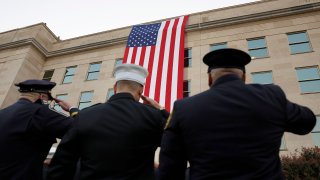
(226, 58)
(131, 72)
(34, 85)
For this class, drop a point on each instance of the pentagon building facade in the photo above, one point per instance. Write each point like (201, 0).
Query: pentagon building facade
(282, 36)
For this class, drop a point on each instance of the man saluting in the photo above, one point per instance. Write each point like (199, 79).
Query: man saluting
(28, 128)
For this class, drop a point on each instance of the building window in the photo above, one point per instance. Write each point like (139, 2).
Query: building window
(262, 77)
(187, 57)
(218, 46)
(62, 97)
(48, 75)
(186, 88)
(283, 144)
(118, 62)
(70, 71)
(257, 48)
(110, 93)
(299, 42)
(309, 79)
(85, 99)
(316, 133)
(94, 70)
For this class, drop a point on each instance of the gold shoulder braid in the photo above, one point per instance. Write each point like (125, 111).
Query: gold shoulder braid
(168, 120)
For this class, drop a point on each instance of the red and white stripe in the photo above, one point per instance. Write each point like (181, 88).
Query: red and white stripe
(164, 62)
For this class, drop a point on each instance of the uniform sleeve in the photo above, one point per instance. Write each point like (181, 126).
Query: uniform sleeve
(301, 119)
(165, 115)
(172, 155)
(64, 162)
(52, 123)
(74, 112)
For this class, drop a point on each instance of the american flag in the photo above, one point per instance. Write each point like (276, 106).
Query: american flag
(159, 48)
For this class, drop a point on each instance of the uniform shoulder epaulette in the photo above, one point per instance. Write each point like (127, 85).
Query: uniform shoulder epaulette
(168, 121)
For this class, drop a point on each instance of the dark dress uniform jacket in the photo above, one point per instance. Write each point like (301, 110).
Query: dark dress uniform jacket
(231, 131)
(27, 131)
(114, 140)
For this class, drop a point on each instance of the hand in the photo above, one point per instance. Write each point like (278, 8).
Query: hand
(151, 102)
(64, 105)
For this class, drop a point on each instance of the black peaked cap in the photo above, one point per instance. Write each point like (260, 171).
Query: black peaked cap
(226, 58)
(34, 85)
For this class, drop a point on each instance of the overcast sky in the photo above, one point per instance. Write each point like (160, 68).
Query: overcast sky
(72, 18)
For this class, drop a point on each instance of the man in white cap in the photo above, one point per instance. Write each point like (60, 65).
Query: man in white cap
(114, 140)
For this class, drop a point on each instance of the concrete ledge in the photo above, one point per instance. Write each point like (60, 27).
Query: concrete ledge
(193, 27)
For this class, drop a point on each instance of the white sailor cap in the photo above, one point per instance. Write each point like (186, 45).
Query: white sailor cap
(131, 72)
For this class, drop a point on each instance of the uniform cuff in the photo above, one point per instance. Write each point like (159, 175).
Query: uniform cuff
(71, 108)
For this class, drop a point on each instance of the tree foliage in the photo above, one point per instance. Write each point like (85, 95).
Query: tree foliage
(302, 165)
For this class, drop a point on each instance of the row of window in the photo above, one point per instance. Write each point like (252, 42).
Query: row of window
(308, 78)
(93, 72)
(86, 96)
(257, 47)
(298, 42)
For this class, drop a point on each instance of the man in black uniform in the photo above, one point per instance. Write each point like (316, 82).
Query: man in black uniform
(28, 128)
(114, 140)
(233, 130)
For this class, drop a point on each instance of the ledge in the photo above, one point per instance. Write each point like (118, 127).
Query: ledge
(193, 27)
(255, 17)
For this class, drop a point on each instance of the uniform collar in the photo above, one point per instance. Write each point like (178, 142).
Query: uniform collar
(121, 96)
(226, 78)
(25, 100)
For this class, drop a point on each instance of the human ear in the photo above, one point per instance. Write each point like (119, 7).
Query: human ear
(209, 80)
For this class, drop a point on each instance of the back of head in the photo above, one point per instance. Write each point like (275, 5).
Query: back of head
(218, 72)
(126, 85)
(130, 78)
(226, 61)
